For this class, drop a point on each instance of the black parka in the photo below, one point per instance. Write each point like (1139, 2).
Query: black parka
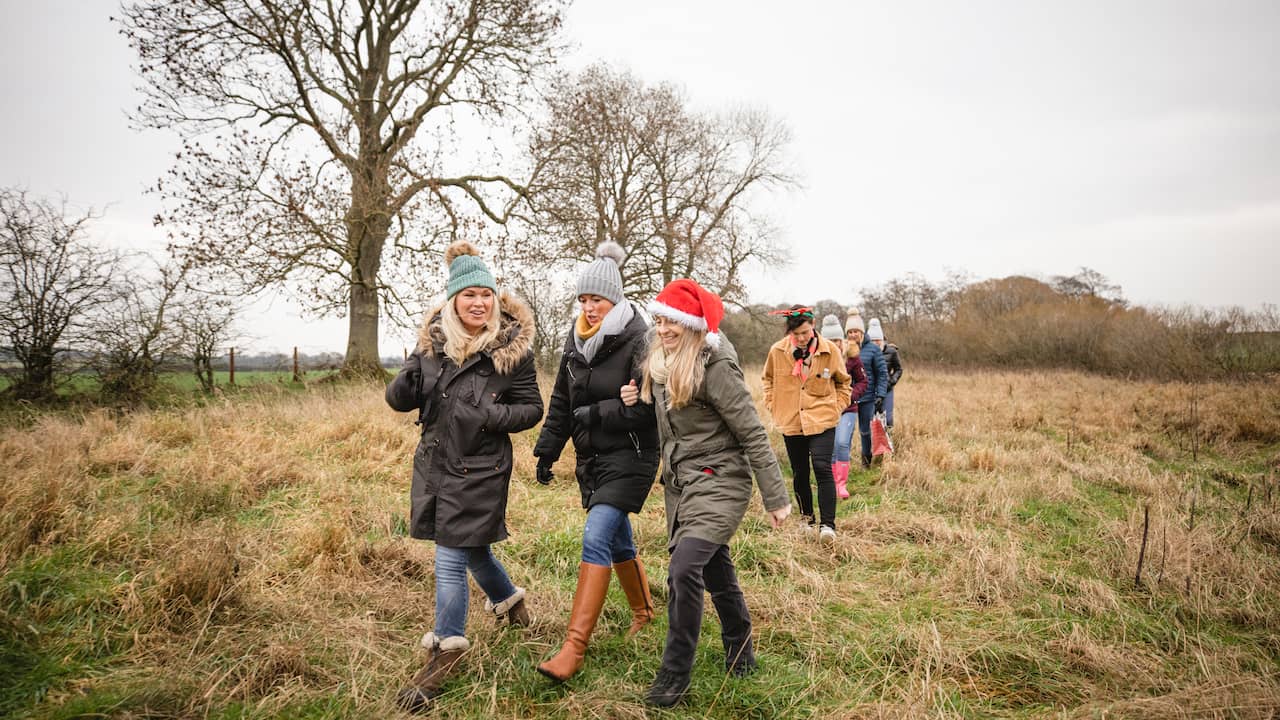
(617, 449)
(894, 363)
(462, 466)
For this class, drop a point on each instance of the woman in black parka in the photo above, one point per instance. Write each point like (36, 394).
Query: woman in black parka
(473, 382)
(616, 447)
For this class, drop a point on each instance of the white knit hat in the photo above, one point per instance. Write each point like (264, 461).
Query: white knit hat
(874, 331)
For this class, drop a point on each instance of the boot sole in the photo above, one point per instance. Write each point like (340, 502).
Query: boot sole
(552, 676)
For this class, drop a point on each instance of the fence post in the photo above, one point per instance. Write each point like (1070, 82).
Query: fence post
(1142, 552)
(296, 378)
(231, 366)
(1195, 430)
(406, 353)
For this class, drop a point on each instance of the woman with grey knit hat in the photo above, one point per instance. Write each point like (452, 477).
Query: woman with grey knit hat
(472, 380)
(616, 447)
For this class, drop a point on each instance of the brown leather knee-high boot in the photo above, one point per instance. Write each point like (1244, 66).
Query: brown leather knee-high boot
(593, 584)
(636, 585)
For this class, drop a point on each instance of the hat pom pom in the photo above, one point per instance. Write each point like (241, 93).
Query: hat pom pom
(458, 249)
(613, 251)
(853, 311)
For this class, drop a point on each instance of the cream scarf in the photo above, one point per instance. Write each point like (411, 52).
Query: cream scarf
(658, 366)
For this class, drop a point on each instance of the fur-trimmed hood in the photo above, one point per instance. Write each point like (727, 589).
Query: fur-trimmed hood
(513, 343)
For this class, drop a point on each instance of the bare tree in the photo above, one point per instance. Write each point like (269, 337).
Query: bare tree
(1089, 283)
(52, 281)
(208, 322)
(914, 298)
(619, 160)
(326, 127)
(134, 336)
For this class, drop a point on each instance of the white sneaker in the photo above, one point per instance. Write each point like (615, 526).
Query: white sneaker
(827, 535)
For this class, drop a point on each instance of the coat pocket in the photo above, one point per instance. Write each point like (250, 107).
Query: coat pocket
(472, 502)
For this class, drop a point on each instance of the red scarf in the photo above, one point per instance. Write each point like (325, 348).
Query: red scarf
(798, 370)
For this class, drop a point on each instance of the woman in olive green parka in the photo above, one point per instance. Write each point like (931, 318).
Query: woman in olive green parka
(711, 442)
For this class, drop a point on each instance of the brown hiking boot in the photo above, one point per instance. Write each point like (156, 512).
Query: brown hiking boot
(636, 586)
(442, 663)
(513, 609)
(593, 584)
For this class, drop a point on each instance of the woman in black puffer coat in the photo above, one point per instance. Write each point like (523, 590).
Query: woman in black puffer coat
(616, 447)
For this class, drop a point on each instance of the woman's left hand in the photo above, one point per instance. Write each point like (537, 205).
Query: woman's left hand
(777, 516)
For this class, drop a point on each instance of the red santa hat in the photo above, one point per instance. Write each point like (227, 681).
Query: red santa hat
(687, 303)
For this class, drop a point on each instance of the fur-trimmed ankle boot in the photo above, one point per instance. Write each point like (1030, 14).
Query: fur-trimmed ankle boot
(840, 469)
(444, 655)
(513, 609)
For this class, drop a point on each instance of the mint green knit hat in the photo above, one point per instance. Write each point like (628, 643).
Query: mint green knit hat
(466, 269)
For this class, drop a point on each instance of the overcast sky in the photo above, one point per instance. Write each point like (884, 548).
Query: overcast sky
(1141, 139)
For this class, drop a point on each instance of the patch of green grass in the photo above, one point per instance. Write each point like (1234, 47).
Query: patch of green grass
(58, 621)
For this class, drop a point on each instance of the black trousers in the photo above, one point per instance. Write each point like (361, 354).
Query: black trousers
(697, 565)
(803, 449)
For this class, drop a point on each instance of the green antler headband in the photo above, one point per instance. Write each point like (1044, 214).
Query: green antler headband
(794, 312)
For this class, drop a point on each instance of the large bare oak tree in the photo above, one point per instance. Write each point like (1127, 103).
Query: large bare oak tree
(318, 134)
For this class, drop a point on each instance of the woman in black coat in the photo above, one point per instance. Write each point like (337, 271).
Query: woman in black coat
(616, 448)
(473, 382)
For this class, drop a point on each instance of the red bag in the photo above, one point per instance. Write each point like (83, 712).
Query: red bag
(880, 442)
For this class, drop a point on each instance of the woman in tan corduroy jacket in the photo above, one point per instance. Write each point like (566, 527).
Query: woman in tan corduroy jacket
(806, 387)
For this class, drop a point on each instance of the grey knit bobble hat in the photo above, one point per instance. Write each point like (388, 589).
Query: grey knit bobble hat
(601, 276)
(831, 329)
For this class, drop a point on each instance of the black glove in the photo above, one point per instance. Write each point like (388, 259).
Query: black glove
(582, 415)
(879, 405)
(543, 474)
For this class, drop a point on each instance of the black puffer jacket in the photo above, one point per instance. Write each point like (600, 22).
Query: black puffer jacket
(462, 467)
(894, 363)
(617, 448)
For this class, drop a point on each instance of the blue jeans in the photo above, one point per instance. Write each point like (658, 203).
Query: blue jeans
(866, 411)
(606, 538)
(844, 437)
(452, 593)
(888, 409)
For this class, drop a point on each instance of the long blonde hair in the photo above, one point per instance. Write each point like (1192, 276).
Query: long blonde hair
(684, 368)
(459, 344)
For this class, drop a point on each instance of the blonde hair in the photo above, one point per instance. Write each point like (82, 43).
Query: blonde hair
(459, 343)
(685, 368)
(851, 348)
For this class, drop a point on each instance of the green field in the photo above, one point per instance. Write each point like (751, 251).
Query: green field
(86, 384)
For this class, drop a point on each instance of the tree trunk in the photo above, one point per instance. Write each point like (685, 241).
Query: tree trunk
(36, 382)
(368, 223)
(362, 332)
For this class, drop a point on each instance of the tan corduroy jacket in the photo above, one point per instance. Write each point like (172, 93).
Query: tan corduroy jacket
(811, 407)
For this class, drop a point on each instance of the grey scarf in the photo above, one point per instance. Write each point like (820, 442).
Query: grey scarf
(612, 324)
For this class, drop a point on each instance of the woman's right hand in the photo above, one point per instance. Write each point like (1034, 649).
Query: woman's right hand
(630, 394)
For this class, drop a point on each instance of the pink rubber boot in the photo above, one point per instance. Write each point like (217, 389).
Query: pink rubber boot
(840, 469)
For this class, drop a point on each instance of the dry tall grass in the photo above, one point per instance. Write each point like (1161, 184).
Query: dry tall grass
(249, 559)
